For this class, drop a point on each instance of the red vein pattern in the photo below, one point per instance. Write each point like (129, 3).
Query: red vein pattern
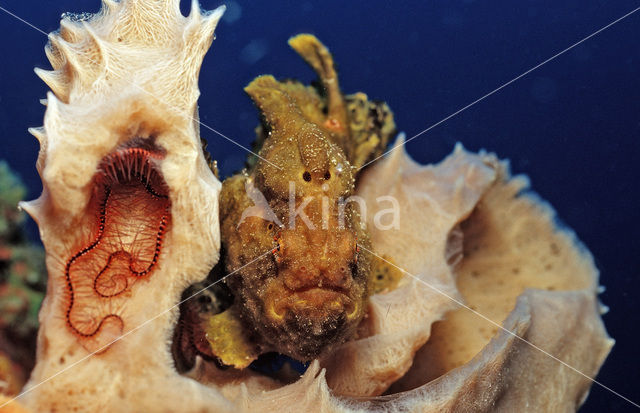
(132, 215)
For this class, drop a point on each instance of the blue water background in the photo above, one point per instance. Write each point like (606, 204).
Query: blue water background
(572, 125)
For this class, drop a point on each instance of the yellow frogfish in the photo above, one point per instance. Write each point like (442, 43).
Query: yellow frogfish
(290, 232)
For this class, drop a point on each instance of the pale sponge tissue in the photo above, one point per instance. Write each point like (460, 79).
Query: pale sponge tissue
(125, 77)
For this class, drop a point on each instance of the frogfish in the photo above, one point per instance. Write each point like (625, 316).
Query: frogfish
(290, 235)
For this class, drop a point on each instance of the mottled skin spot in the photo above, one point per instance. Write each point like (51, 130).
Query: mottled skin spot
(310, 293)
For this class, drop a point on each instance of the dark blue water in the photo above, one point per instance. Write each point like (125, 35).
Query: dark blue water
(572, 125)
